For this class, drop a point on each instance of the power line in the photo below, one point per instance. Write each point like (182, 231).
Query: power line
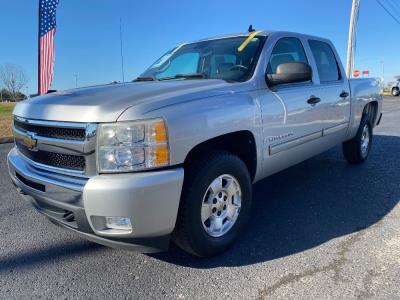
(394, 6)
(394, 18)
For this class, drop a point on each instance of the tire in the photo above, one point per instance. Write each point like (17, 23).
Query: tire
(354, 150)
(395, 92)
(197, 235)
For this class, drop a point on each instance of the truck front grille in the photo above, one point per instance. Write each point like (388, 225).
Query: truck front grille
(64, 147)
(52, 132)
(58, 160)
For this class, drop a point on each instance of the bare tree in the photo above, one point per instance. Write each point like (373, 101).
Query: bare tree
(13, 79)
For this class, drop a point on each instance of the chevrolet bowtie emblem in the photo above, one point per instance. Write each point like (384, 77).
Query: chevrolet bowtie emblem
(29, 142)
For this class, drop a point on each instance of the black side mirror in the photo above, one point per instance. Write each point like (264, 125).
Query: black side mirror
(290, 73)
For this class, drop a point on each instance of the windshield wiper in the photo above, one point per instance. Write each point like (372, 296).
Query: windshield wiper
(144, 79)
(185, 76)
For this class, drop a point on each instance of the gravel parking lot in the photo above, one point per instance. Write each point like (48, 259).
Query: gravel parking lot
(322, 229)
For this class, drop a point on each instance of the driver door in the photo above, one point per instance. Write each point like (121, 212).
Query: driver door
(290, 122)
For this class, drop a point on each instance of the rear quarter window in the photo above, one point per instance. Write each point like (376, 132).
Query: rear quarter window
(325, 59)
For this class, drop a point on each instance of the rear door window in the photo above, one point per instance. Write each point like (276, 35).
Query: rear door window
(325, 59)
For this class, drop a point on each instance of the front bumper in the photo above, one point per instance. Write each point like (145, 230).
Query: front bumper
(149, 199)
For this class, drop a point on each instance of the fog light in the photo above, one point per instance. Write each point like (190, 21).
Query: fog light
(118, 223)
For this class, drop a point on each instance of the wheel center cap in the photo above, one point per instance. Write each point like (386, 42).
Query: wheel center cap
(220, 205)
(221, 200)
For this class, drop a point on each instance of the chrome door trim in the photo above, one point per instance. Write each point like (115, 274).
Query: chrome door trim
(335, 129)
(274, 149)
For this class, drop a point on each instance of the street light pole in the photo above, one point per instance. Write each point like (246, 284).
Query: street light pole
(352, 34)
(76, 80)
(122, 53)
(383, 69)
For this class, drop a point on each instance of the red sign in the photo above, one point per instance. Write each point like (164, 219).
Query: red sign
(365, 72)
(356, 73)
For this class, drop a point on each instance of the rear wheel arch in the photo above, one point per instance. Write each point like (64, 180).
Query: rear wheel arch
(371, 110)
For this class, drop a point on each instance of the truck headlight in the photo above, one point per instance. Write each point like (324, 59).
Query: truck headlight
(132, 146)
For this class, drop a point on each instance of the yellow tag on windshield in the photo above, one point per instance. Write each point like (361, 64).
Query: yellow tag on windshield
(247, 41)
(177, 48)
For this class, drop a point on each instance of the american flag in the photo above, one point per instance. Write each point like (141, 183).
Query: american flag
(47, 30)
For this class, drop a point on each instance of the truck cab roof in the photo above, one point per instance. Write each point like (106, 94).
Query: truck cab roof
(259, 33)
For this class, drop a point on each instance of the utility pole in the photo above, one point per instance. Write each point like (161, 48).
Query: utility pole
(383, 70)
(352, 36)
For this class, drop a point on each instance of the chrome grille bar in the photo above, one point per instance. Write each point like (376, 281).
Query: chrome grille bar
(62, 147)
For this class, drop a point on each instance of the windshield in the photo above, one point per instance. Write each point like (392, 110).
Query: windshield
(230, 59)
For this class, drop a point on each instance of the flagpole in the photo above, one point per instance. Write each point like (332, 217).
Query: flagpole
(39, 83)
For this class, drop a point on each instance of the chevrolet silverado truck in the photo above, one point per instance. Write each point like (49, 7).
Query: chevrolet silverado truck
(172, 156)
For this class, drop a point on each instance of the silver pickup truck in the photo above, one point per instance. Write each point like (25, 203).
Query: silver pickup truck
(173, 155)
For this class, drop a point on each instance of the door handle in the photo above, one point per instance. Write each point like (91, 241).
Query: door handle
(344, 94)
(313, 100)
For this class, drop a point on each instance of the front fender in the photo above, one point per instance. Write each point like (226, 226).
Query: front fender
(193, 122)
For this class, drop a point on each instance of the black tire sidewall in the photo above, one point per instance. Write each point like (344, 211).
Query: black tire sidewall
(201, 242)
(364, 122)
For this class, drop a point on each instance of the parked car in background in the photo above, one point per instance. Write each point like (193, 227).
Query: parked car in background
(394, 87)
(175, 153)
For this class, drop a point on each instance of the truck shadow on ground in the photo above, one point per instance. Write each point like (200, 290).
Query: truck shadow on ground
(311, 203)
(50, 254)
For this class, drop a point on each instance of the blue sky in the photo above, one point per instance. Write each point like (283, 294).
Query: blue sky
(87, 39)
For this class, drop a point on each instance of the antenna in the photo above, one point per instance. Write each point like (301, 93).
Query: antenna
(122, 55)
(251, 29)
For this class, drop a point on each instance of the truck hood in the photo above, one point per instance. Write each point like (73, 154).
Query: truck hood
(106, 103)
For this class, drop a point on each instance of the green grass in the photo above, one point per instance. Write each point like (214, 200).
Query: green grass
(5, 119)
(6, 109)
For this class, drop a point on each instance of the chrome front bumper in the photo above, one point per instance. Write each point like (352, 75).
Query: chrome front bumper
(149, 199)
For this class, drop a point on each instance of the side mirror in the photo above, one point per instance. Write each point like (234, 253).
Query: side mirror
(290, 73)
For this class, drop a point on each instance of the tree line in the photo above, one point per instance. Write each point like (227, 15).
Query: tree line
(13, 80)
(7, 96)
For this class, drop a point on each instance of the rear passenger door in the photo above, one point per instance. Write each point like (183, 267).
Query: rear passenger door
(332, 87)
